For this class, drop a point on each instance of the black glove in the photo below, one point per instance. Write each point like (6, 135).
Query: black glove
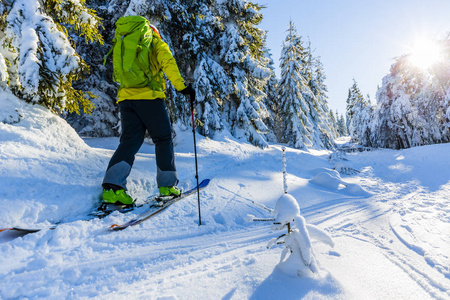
(189, 90)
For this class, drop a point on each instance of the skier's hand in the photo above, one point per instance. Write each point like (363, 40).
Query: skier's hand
(189, 90)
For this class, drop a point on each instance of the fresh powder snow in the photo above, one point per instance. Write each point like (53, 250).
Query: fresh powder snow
(386, 212)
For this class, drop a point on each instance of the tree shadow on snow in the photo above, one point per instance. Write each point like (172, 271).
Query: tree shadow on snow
(425, 166)
(281, 286)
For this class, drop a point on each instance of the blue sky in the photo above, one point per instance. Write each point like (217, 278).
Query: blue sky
(355, 38)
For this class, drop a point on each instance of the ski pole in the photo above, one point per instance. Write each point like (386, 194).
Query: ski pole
(196, 164)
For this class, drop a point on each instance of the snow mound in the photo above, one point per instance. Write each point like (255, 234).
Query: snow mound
(332, 172)
(332, 180)
(328, 180)
(356, 190)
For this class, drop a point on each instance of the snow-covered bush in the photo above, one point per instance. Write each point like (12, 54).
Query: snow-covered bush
(345, 169)
(298, 257)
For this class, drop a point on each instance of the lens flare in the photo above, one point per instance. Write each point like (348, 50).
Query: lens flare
(425, 53)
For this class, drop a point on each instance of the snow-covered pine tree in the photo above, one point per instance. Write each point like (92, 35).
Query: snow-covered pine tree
(37, 60)
(406, 113)
(333, 122)
(341, 124)
(212, 84)
(445, 120)
(354, 96)
(434, 101)
(443, 80)
(292, 88)
(319, 103)
(359, 124)
(393, 120)
(412, 106)
(272, 103)
(104, 120)
(230, 68)
(211, 80)
(242, 56)
(368, 100)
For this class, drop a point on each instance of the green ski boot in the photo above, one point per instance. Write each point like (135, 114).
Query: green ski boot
(119, 197)
(169, 191)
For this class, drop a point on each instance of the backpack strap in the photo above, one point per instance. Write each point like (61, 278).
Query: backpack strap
(109, 52)
(155, 80)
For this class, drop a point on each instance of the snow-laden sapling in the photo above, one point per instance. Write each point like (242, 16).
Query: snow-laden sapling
(297, 258)
(344, 169)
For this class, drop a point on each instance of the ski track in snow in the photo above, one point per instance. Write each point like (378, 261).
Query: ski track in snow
(390, 244)
(409, 225)
(156, 260)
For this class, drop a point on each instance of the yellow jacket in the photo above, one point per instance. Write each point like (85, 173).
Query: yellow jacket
(161, 59)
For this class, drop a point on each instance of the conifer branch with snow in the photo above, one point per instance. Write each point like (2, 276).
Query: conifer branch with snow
(37, 59)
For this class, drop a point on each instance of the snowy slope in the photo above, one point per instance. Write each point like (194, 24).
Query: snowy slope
(44, 166)
(390, 222)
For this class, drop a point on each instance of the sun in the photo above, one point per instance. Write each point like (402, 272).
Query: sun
(425, 53)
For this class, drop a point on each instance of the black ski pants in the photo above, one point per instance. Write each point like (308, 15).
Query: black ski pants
(137, 116)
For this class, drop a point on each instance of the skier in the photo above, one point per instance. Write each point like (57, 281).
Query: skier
(141, 109)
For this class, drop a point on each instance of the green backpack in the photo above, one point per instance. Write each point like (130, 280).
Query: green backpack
(131, 48)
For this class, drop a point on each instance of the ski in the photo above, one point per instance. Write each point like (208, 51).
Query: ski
(158, 207)
(22, 230)
(97, 214)
(106, 209)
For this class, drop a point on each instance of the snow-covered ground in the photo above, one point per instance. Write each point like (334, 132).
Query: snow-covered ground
(390, 221)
